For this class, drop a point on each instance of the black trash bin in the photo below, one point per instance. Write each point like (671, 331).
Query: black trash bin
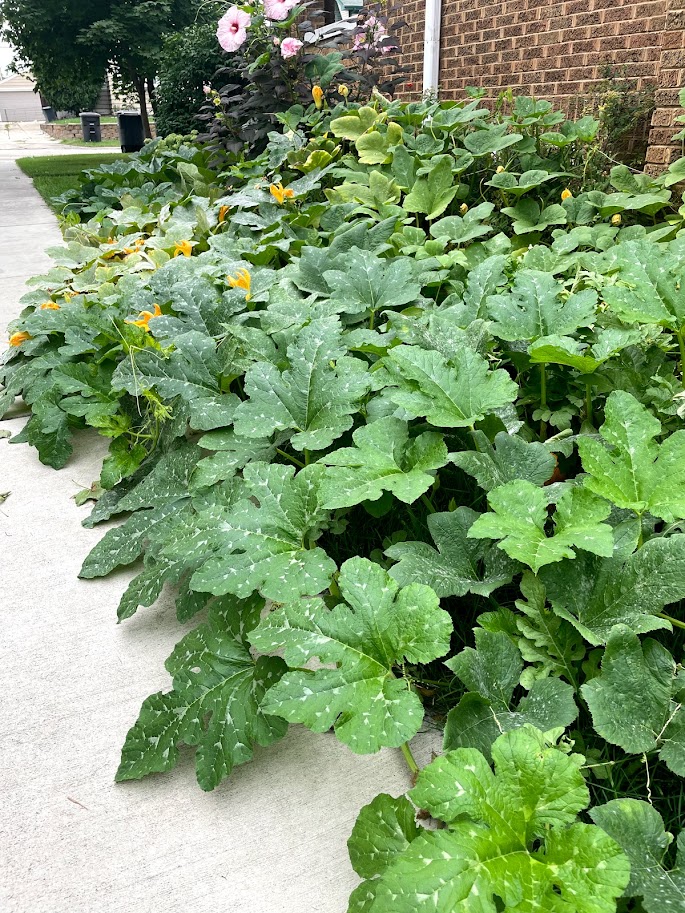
(50, 114)
(131, 133)
(90, 127)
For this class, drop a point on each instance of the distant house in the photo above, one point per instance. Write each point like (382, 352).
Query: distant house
(18, 101)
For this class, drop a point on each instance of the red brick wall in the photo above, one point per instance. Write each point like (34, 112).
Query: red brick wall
(556, 50)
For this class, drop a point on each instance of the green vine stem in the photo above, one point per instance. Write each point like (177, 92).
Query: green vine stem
(430, 507)
(588, 401)
(674, 621)
(681, 345)
(410, 759)
(543, 400)
(291, 458)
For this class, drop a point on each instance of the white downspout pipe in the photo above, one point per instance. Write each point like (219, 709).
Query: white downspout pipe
(431, 47)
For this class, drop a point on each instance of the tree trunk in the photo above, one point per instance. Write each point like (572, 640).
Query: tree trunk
(139, 83)
(152, 95)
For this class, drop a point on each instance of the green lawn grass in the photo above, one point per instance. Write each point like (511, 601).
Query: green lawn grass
(82, 142)
(77, 120)
(53, 174)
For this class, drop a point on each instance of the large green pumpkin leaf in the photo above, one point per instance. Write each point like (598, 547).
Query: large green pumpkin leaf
(378, 627)
(550, 644)
(433, 193)
(519, 515)
(630, 469)
(450, 394)
(124, 544)
(386, 816)
(492, 668)
(460, 229)
(351, 126)
(214, 705)
(492, 672)
(264, 546)
(459, 566)
(511, 458)
(528, 216)
(511, 835)
(649, 287)
(191, 371)
(595, 594)
(383, 459)
(536, 307)
(476, 722)
(482, 282)
(168, 480)
(631, 701)
(369, 283)
(316, 396)
(638, 828)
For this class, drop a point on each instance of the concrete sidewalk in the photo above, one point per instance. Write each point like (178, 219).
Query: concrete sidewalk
(17, 140)
(271, 839)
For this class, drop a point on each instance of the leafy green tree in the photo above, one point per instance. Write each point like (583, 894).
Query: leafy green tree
(75, 43)
(187, 62)
(130, 33)
(43, 34)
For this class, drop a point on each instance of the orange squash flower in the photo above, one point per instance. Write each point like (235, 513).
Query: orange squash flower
(145, 317)
(317, 95)
(566, 194)
(183, 247)
(281, 193)
(16, 339)
(242, 280)
(50, 306)
(223, 212)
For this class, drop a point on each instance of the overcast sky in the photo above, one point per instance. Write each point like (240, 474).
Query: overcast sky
(5, 57)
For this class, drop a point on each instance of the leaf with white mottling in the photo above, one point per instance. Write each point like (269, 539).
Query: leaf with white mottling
(459, 566)
(384, 458)
(638, 828)
(264, 546)
(512, 835)
(214, 705)
(450, 394)
(315, 397)
(378, 627)
(519, 515)
(511, 458)
(595, 594)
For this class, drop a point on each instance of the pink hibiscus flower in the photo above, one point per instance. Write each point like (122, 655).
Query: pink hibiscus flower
(290, 47)
(232, 28)
(278, 10)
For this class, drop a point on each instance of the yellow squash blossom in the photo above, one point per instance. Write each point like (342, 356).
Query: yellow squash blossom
(183, 247)
(50, 306)
(223, 212)
(343, 90)
(16, 339)
(317, 95)
(242, 280)
(281, 193)
(500, 169)
(616, 219)
(145, 317)
(463, 209)
(566, 194)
